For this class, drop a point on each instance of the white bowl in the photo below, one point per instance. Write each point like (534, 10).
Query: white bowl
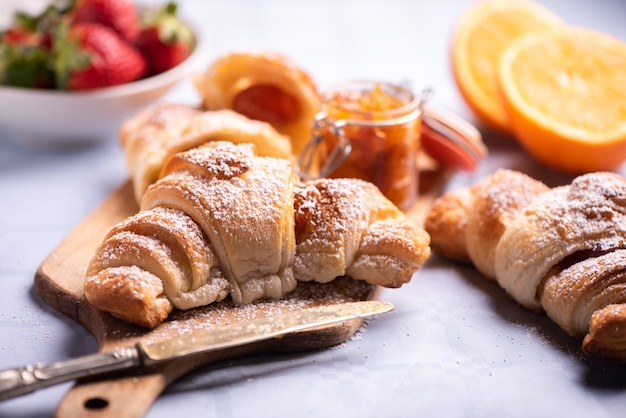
(49, 118)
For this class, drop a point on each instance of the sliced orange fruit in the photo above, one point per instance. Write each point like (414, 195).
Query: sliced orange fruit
(480, 36)
(565, 93)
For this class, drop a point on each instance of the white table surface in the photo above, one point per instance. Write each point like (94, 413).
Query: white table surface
(455, 346)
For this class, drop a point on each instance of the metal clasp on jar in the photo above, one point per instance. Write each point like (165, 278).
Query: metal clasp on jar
(344, 147)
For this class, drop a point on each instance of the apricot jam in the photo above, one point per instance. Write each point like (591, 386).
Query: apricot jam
(375, 127)
(266, 103)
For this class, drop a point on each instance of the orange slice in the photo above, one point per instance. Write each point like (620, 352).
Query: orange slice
(565, 93)
(480, 36)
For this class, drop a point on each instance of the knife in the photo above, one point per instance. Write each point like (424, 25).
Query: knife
(142, 356)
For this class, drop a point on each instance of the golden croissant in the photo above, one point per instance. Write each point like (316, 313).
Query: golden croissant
(153, 135)
(560, 250)
(223, 221)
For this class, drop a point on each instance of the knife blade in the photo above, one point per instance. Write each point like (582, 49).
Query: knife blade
(23, 380)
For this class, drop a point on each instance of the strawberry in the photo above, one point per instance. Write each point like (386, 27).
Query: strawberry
(25, 50)
(20, 36)
(119, 15)
(90, 55)
(165, 41)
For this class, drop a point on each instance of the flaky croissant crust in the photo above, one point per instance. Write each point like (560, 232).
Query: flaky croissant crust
(223, 221)
(154, 135)
(559, 250)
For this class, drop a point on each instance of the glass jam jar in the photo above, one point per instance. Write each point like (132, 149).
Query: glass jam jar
(370, 130)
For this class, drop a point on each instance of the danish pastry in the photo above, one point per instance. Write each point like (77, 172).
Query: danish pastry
(265, 86)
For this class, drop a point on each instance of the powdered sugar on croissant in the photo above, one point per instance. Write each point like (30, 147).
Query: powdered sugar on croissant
(218, 222)
(222, 221)
(152, 136)
(364, 236)
(559, 250)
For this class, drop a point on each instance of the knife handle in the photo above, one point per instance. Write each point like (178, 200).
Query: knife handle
(27, 379)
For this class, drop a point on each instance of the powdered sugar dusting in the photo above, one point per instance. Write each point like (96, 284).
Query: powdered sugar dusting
(587, 215)
(304, 296)
(346, 226)
(210, 194)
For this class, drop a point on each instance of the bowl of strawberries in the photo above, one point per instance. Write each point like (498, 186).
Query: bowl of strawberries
(73, 72)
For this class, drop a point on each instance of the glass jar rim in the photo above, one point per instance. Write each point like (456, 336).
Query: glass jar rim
(411, 102)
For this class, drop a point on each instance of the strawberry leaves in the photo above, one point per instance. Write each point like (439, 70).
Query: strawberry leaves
(68, 56)
(23, 66)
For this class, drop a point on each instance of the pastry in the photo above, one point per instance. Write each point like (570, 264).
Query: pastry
(222, 221)
(559, 250)
(266, 86)
(348, 227)
(152, 136)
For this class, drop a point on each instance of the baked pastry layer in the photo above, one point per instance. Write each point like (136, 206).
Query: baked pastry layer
(558, 250)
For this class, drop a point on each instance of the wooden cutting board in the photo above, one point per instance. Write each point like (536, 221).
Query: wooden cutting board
(59, 281)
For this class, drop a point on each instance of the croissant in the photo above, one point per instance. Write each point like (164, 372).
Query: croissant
(348, 227)
(265, 86)
(555, 250)
(223, 221)
(153, 135)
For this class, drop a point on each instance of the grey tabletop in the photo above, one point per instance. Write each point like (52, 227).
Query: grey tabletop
(455, 346)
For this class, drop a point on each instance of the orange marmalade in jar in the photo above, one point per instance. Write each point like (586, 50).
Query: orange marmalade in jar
(370, 130)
